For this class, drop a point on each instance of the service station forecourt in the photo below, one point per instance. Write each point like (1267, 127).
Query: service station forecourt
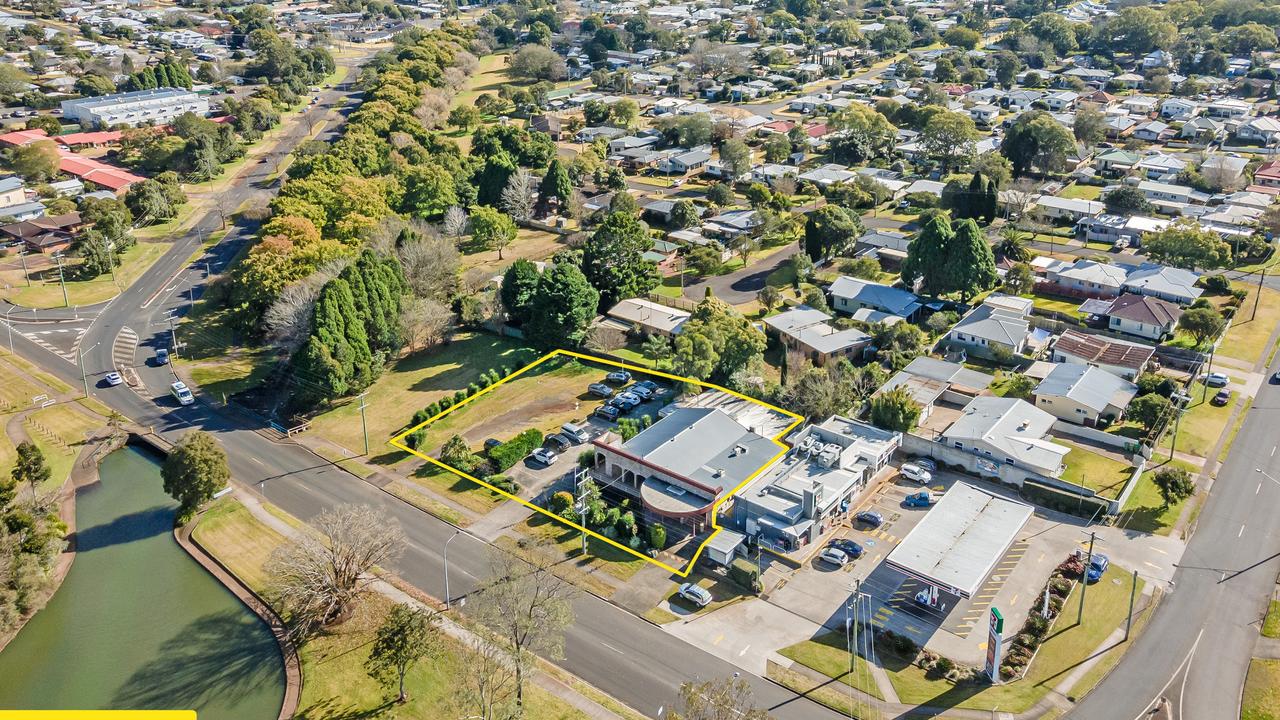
(399, 442)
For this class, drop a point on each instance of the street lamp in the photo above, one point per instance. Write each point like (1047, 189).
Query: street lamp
(1266, 475)
(447, 597)
(84, 376)
(10, 326)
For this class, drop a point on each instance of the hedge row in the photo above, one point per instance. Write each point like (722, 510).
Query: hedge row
(489, 377)
(514, 450)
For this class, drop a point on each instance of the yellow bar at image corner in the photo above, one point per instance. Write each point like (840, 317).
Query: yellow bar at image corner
(97, 715)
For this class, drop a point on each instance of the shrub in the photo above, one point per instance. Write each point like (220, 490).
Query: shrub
(1060, 587)
(1037, 626)
(561, 503)
(611, 518)
(745, 573)
(503, 482)
(625, 525)
(446, 403)
(1216, 284)
(945, 665)
(514, 450)
(459, 396)
(657, 536)
(472, 389)
(1072, 567)
(586, 458)
(1239, 295)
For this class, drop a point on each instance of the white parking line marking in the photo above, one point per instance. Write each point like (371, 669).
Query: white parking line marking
(1241, 533)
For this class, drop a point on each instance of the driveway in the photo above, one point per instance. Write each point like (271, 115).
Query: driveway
(741, 286)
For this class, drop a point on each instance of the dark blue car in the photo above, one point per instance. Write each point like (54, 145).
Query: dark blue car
(1097, 567)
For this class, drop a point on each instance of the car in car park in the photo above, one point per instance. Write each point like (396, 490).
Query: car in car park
(625, 403)
(920, 499)
(113, 379)
(870, 517)
(649, 385)
(575, 432)
(607, 412)
(618, 376)
(833, 555)
(600, 390)
(640, 391)
(847, 546)
(558, 442)
(1275, 377)
(926, 463)
(1222, 397)
(695, 594)
(1216, 379)
(546, 456)
(491, 443)
(1098, 565)
(912, 471)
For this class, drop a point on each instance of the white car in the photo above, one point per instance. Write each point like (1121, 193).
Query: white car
(835, 556)
(113, 379)
(180, 392)
(911, 471)
(695, 594)
(546, 456)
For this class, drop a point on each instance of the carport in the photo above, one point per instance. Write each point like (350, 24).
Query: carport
(961, 540)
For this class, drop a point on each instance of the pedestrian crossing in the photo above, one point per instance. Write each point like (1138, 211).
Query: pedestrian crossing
(123, 352)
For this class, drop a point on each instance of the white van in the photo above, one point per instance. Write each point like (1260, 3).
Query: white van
(576, 433)
(180, 392)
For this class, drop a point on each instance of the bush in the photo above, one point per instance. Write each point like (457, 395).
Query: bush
(1072, 567)
(504, 483)
(459, 396)
(745, 573)
(657, 536)
(1216, 284)
(1060, 587)
(561, 503)
(586, 458)
(514, 450)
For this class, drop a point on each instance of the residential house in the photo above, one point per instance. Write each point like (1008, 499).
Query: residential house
(549, 124)
(1062, 101)
(1114, 228)
(649, 317)
(13, 191)
(809, 331)
(1143, 316)
(1158, 192)
(1202, 130)
(1177, 108)
(1153, 131)
(1167, 283)
(998, 324)
(929, 380)
(1007, 431)
(46, 234)
(1228, 109)
(1072, 210)
(1083, 394)
(1085, 278)
(1224, 170)
(1120, 358)
(1264, 130)
(1116, 161)
(686, 163)
(849, 294)
(984, 114)
(1159, 166)
(732, 223)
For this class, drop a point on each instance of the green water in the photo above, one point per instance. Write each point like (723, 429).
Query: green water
(138, 624)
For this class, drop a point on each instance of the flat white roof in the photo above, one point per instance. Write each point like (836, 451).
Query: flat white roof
(961, 539)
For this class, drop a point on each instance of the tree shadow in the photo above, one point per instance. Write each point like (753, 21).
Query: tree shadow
(334, 708)
(125, 529)
(227, 655)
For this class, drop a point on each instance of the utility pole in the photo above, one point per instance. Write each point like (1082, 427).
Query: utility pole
(173, 337)
(62, 279)
(447, 596)
(10, 326)
(22, 255)
(1084, 580)
(363, 424)
(1204, 378)
(1258, 294)
(84, 375)
(1133, 590)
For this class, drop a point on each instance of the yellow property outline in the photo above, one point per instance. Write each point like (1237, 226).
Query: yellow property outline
(398, 442)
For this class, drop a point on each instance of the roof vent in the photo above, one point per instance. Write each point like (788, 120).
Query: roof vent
(739, 449)
(1024, 425)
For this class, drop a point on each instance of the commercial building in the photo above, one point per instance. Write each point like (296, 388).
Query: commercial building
(142, 107)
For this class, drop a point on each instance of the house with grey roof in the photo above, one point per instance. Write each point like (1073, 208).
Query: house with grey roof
(809, 331)
(1083, 394)
(1086, 278)
(1164, 282)
(849, 294)
(930, 380)
(1007, 431)
(648, 316)
(999, 322)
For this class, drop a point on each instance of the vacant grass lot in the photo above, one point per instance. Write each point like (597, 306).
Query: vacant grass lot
(1082, 192)
(1247, 339)
(1261, 700)
(530, 244)
(1104, 475)
(46, 291)
(1201, 424)
(828, 655)
(489, 76)
(414, 382)
(335, 683)
(1145, 511)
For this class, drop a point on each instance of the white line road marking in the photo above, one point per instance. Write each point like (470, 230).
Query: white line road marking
(1150, 564)
(1241, 533)
(612, 648)
(1273, 451)
(255, 460)
(1258, 489)
(744, 651)
(1156, 549)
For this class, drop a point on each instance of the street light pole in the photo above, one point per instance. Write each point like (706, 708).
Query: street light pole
(173, 336)
(364, 425)
(1084, 580)
(10, 326)
(84, 375)
(22, 255)
(447, 597)
(62, 279)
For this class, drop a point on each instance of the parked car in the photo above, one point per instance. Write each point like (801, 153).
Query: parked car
(912, 471)
(558, 442)
(640, 391)
(695, 594)
(575, 432)
(600, 390)
(1222, 397)
(1216, 379)
(926, 463)
(162, 356)
(835, 556)
(848, 547)
(607, 412)
(1275, 377)
(618, 376)
(491, 443)
(870, 517)
(546, 456)
(649, 385)
(113, 379)
(625, 402)
(1097, 567)
(920, 499)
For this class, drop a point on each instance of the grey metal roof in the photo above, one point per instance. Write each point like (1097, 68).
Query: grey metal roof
(1014, 427)
(961, 539)
(1093, 388)
(703, 444)
(890, 299)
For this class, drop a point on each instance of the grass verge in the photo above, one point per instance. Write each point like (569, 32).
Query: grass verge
(1261, 699)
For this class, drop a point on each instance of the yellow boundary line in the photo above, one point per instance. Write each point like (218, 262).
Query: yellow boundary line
(398, 442)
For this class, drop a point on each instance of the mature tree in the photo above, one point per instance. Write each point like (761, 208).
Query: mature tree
(454, 223)
(900, 343)
(819, 393)
(1019, 279)
(891, 39)
(1185, 244)
(624, 113)
(562, 308)
(428, 191)
(195, 469)
(994, 167)
(1037, 140)
(536, 62)
(487, 688)
(777, 148)
(318, 579)
(528, 605)
(927, 256)
(430, 264)
(736, 157)
(769, 298)
(464, 117)
(1127, 200)
(860, 134)
(721, 194)
(950, 137)
(1202, 323)
(1174, 484)
(1007, 66)
(613, 259)
(727, 699)
(406, 636)
(519, 284)
(716, 342)
(895, 410)
(1012, 245)
(1148, 410)
(1090, 126)
(555, 184)
(829, 231)
(36, 162)
(30, 468)
(684, 214)
(491, 228)
(972, 264)
(517, 198)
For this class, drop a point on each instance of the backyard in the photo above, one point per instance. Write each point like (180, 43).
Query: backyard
(1103, 474)
(1145, 511)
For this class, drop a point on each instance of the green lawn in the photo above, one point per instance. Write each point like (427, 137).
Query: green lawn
(1067, 646)
(1247, 339)
(723, 593)
(600, 555)
(1201, 424)
(1064, 305)
(1104, 475)
(1261, 699)
(1082, 192)
(416, 381)
(46, 291)
(60, 432)
(489, 76)
(1145, 511)
(335, 683)
(469, 495)
(1271, 625)
(828, 655)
